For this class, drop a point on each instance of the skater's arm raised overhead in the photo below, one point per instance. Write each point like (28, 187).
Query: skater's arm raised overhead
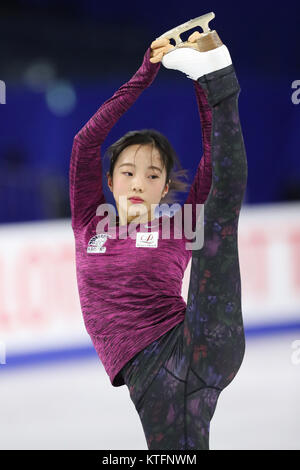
(202, 181)
(85, 173)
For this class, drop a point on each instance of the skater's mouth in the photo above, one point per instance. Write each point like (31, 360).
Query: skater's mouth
(136, 199)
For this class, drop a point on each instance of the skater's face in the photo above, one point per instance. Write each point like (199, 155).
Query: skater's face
(138, 172)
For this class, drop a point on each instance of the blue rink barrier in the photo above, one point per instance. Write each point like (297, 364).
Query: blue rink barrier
(274, 328)
(83, 352)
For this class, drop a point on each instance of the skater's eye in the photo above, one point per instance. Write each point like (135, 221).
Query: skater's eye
(128, 172)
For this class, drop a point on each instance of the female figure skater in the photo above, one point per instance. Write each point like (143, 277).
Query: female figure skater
(175, 358)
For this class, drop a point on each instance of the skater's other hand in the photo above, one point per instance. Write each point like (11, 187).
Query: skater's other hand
(159, 47)
(193, 37)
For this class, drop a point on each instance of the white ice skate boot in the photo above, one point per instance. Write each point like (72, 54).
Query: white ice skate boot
(201, 54)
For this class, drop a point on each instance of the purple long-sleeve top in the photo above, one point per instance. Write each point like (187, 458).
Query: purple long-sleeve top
(129, 288)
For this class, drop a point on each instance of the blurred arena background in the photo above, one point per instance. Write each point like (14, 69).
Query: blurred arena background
(59, 62)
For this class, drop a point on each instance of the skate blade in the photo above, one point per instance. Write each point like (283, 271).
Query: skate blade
(201, 21)
(208, 39)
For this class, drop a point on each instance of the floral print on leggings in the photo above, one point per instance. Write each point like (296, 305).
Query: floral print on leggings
(175, 382)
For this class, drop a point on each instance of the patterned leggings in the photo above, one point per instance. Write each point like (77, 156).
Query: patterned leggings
(175, 382)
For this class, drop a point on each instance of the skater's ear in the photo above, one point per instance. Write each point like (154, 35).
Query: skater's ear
(109, 181)
(166, 190)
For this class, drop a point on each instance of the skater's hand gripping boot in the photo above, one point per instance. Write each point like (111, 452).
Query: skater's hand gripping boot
(201, 54)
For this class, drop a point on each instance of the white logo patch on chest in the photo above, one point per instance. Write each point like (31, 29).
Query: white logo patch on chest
(146, 239)
(96, 243)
